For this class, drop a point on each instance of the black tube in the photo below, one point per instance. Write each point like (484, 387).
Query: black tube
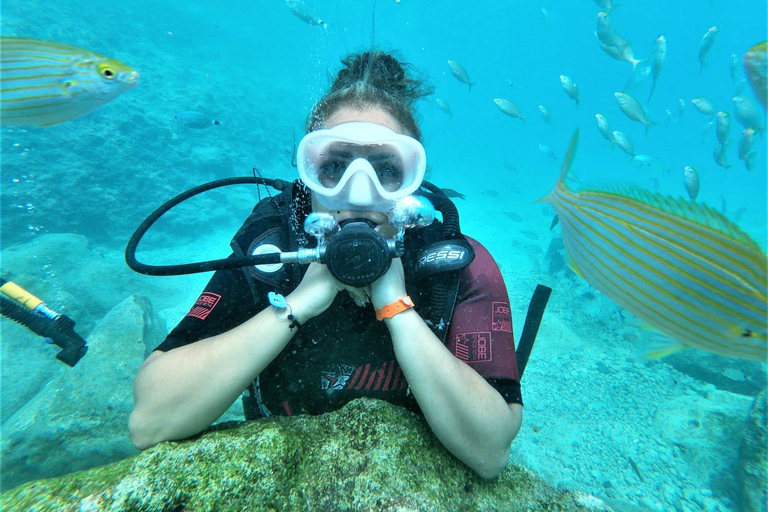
(202, 266)
(443, 204)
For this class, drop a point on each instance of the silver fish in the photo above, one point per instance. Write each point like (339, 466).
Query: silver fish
(570, 88)
(746, 142)
(444, 106)
(735, 61)
(624, 143)
(706, 44)
(508, 108)
(723, 126)
(639, 75)
(621, 51)
(605, 128)
(605, 32)
(657, 61)
(458, 71)
(195, 120)
(305, 13)
(705, 131)
(545, 115)
(611, 42)
(720, 154)
(740, 86)
(692, 183)
(644, 160)
(747, 113)
(547, 151)
(632, 109)
(669, 115)
(680, 107)
(704, 106)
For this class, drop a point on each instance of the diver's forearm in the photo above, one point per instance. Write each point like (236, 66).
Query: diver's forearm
(181, 392)
(470, 418)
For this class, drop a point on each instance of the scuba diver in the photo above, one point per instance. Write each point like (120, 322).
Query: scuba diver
(429, 327)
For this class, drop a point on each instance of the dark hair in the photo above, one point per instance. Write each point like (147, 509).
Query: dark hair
(373, 79)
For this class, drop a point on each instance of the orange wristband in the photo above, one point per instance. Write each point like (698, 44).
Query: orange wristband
(396, 307)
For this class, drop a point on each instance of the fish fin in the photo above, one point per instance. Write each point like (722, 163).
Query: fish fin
(572, 265)
(695, 212)
(663, 352)
(570, 156)
(565, 169)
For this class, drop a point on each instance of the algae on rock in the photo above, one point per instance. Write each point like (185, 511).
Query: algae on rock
(368, 456)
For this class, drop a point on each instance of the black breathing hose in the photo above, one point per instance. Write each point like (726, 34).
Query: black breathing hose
(202, 266)
(445, 206)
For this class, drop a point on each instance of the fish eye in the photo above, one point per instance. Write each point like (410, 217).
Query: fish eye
(106, 71)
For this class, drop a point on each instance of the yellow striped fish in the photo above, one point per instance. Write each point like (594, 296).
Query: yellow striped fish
(678, 265)
(44, 83)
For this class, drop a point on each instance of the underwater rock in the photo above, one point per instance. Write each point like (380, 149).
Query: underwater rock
(708, 430)
(555, 256)
(79, 419)
(368, 456)
(752, 467)
(78, 280)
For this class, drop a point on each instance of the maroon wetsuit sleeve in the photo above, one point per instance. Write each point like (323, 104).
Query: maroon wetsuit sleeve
(480, 333)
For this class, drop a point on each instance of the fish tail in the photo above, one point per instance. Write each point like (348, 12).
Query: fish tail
(470, 85)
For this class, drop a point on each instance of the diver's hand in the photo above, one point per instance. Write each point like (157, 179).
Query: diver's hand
(389, 287)
(315, 292)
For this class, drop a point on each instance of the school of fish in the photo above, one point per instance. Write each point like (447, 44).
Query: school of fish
(680, 266)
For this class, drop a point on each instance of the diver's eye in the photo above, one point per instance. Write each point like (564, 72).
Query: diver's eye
(390, 174)
(106, 72)
(331, 171)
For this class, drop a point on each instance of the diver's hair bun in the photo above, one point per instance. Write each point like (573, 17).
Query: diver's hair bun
(382, 71)
(373, 79)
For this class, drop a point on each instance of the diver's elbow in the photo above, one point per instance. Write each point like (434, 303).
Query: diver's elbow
(488, 470)
(141, 435)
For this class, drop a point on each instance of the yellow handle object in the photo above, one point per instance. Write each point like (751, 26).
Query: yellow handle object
(20, 295)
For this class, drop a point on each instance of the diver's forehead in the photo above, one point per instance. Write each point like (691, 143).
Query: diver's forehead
(368, 115)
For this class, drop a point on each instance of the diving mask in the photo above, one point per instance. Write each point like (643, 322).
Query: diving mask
(360, 166)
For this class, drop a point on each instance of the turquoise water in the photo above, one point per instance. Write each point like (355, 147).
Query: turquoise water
(258, 69)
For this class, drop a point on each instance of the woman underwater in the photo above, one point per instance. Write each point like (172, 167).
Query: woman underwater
(314, 343)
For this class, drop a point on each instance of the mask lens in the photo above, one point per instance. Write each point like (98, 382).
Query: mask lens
(384, 158)
(332, 163)
(389, 167)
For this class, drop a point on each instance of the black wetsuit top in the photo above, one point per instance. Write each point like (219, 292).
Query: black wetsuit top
(345, 353)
